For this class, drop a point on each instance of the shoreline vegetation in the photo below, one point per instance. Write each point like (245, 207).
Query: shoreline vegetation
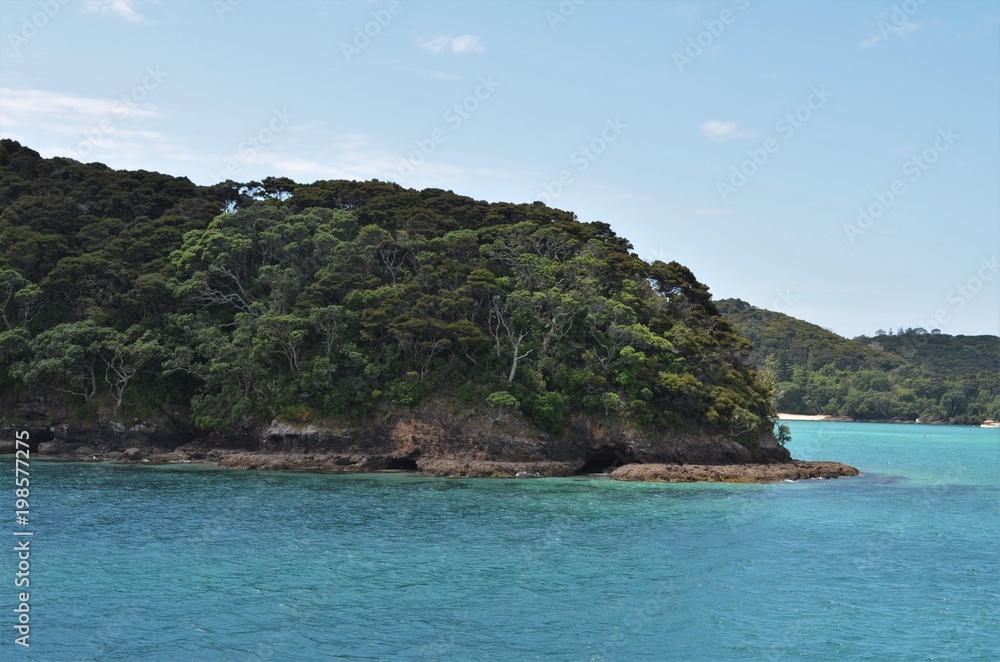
(359, 326)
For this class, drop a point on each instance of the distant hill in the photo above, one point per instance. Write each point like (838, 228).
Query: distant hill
(935, 377)
(954, 357)
(801, 343)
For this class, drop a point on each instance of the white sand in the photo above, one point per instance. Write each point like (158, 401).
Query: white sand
(802, 417)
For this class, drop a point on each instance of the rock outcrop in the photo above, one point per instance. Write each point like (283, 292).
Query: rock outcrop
(732, 473)
(438, 441)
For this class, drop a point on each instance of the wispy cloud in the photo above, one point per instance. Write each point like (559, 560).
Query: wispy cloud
(85, 127)
(125, 9)
(466, 43)
(887, 30)
(723, 130)
(430, 73)
(712, 212)
(65, 113)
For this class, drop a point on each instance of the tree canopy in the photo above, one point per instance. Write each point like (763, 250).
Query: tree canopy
(341, 300)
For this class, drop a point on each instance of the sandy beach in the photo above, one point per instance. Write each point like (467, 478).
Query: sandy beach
(802, 417)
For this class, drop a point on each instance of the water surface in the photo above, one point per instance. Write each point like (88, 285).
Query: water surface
(196, 563)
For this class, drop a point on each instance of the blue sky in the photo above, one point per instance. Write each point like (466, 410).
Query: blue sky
(837, 161)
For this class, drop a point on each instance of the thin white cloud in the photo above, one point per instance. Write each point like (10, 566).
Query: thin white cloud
(84, 127)
(506, 173)
(435, 45)
(870, 41)
(430, 73)
(887, 30)
(466, 43)
(356, 156)
(359, 165)
(66, 113)
(712, 212)
(351, 141)
(723, 130)
(125, 9)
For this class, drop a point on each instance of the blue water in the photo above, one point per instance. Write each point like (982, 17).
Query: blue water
(195, 563)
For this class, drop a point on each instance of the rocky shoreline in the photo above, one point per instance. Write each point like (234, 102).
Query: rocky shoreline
(453, 468)
(435, 442)
(463, 468)
(733, 473)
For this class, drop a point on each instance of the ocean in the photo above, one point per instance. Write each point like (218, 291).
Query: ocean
(138, 562)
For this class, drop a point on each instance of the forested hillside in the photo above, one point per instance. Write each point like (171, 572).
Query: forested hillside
(908, 375)
(960, 358)
(133, 293)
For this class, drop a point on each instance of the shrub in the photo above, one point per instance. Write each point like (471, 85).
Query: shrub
(546, 412)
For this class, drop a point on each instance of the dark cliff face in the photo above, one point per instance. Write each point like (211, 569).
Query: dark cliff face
(428, 436)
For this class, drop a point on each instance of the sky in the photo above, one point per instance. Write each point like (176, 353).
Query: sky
(835, 161)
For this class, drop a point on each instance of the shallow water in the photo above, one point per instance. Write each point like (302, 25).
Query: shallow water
(196, 563)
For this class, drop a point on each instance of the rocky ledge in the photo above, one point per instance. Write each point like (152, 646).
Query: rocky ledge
(436, 441)
(732, 473)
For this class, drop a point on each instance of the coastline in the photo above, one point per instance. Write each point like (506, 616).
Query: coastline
(803, 417)
(774, 472)
(436, 442)
(846, 419)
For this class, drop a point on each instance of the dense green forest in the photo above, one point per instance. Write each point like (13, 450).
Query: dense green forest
(903, 375)
(131, 293)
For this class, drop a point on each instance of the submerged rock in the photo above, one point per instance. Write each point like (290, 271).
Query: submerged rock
(733, 473)
(489, 469)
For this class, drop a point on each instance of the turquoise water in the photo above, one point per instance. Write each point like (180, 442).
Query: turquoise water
(194, 563)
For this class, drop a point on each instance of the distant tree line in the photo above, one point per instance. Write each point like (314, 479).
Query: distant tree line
(905, 375)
